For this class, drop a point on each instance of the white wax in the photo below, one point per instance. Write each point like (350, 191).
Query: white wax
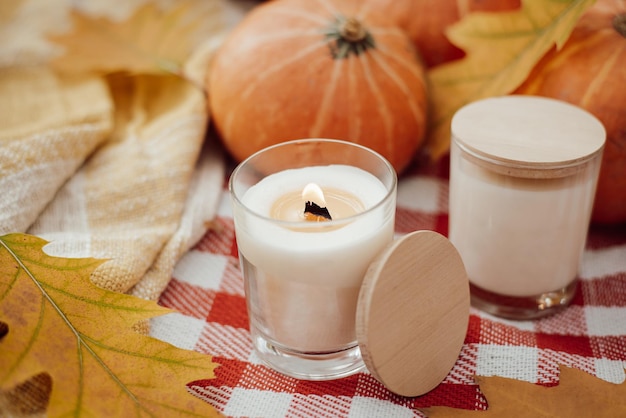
(518, 237)
(307, 283)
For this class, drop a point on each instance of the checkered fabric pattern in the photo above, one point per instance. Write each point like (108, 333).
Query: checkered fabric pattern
(207, 291)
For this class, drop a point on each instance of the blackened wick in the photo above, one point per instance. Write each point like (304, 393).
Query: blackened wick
(315, 209)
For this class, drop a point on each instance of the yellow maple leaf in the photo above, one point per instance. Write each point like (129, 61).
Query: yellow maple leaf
(55, 321)
(150, 40)
(501, 49)
(578, 394)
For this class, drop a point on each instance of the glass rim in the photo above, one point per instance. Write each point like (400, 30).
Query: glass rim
(305, 225)
(525, 169)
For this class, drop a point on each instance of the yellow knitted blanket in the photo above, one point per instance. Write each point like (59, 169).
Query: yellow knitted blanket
(113, 165)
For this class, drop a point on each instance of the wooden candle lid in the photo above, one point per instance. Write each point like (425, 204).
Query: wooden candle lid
(413, 313)
(528, 136)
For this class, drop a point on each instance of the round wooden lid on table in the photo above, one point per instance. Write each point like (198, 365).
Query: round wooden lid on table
(413, 313)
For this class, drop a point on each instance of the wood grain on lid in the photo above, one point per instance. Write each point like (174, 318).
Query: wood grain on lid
(528, 129)
(413, 313)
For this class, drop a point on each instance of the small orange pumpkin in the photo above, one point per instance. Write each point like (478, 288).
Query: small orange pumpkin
(425, 21)
(336, 69)
(590, 72)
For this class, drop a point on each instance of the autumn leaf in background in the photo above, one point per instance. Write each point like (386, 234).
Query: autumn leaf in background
(55, 321)
(151, 40)
(578, 394)
(501, 48)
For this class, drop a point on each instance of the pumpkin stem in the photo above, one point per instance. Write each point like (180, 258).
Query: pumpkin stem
(348, 36)
(619, 23)
(352, 30)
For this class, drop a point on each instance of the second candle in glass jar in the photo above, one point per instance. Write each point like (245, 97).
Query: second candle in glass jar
(523, 174)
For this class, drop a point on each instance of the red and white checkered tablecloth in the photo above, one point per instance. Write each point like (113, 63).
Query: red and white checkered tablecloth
(207, 291)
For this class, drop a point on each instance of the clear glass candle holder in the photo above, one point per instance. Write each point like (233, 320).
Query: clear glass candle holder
(523, 174)
(303, 277)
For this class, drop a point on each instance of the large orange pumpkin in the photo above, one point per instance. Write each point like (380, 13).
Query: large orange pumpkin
(590, 71)
(426, 21)
(319, 68)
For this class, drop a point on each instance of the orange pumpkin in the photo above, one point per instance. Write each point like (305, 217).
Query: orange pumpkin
(590, 71)
(336, 69)
(425, 21)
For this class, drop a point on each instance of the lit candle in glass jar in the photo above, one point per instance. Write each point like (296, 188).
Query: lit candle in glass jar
(312, 273)
(303, 274)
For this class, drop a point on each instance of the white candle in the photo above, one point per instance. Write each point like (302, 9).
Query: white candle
(519, 237)
(523, 173)
(308, 274)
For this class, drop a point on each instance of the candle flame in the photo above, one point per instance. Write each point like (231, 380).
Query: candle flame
(314, 203)
(313, 193)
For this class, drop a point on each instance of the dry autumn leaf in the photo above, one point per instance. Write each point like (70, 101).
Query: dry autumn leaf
(151, 40)
(501, 50)
(578, 394)
(57, 322)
